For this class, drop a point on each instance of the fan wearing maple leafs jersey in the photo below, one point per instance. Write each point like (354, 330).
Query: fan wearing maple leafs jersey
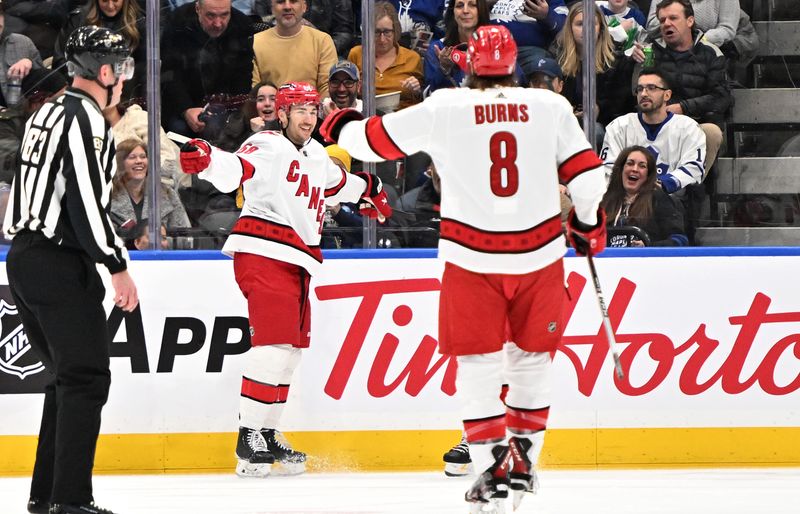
(501, 153)
(286, 178)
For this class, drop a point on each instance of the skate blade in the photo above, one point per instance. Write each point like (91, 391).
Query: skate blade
(494, 506)
(288, 468)
(453, 469)
(246, 469)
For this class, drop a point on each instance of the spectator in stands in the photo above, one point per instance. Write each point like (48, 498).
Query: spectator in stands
(344, 84)
(695, 71)
(38, 87)
(445, 60)
(39, 20)
(206, 49)
(130, 202)
(547, 74)
(420, 22)
(256, 114)
(130, 122)
(291, 51)
(633, 199)
(139, 237)
(629, 21)
(396, 68)
(122, 16)
(716, 19)
(675, 141)
(613, 70)
(333, 17)
(534, 25)
(18, 56)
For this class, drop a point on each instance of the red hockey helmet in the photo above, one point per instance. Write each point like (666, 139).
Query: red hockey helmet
(492, 51)
(295, 93)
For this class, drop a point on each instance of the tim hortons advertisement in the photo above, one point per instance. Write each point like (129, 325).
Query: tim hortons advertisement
(704, 342)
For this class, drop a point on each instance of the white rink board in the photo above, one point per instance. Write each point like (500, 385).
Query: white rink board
(753, 374)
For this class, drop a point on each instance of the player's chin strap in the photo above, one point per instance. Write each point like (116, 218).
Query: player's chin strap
(109, 89)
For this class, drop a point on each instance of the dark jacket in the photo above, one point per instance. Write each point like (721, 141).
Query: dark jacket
(665, 227)
(194, 66)
(40, 20)
(697, 78)
(77, 18)
(613, 98)
(334, 17)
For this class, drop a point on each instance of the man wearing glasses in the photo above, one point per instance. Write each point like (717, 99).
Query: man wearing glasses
(344, 86)
(675, 140)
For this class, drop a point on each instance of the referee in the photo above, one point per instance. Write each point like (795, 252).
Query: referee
(57, 216)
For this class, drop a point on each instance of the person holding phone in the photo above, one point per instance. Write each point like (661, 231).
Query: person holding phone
(445, 61)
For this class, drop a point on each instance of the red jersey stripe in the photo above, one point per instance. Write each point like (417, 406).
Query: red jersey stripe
(248, 170)
(522, 241)
(527, 420)
(380, 141)
(264, 393)
(338, 187)
(488, 429)
(263, 229)
(580, 162)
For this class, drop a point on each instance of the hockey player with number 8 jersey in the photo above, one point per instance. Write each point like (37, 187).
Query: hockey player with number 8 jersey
(501, 153)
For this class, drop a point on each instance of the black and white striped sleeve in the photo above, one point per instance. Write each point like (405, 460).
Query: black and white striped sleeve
(88, 167)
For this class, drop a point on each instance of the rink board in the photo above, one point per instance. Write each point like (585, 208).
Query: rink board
(710, 341)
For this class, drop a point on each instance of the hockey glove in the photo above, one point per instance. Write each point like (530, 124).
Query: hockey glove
(586, 239)
(376, 204)
(669, 183)
(195, 156)
(333, 124)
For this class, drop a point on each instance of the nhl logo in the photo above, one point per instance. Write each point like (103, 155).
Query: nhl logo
(552, 326)
(16, 357)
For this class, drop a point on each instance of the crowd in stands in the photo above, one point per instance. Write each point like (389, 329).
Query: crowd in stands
(662, 95)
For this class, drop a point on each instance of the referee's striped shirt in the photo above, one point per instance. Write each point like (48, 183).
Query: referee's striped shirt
(62, 188)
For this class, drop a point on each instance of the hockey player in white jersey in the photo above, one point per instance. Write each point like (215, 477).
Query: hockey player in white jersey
(501, 152)
(286, 178)
(676, 141)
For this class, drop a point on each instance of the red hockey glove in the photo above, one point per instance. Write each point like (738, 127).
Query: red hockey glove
(195, 156)
(377, 204)
(586, 239)
(332, 125)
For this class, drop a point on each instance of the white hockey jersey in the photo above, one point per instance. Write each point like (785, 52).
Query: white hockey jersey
(500, 154)
(678, 145)
(285, 190)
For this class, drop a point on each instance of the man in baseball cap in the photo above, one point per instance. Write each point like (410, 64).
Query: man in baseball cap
(547, 74)
(344, 86)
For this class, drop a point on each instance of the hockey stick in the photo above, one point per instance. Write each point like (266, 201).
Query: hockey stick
(612, 341)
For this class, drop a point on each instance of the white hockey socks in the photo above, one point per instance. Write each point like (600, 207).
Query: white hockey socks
(265, 384)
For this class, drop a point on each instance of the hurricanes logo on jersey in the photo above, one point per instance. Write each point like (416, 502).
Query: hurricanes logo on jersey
(16, 357)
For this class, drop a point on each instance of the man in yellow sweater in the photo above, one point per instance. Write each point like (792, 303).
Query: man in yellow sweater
(292, 51)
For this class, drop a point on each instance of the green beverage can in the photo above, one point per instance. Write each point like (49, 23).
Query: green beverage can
(649, 59)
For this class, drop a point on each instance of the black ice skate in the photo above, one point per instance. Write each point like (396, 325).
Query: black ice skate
(37, 506)
(457, 462)
(287, 460)
(254, 458)
(84, 508)
(521, 476)
(489, 492)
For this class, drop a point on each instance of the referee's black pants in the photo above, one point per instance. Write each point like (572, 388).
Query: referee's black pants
(59, 297)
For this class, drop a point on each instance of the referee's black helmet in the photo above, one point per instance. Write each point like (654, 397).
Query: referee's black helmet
(90, 47)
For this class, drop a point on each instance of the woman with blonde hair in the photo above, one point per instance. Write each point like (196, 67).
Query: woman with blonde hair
(124, 17)
(396, 68)
(614, 71)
